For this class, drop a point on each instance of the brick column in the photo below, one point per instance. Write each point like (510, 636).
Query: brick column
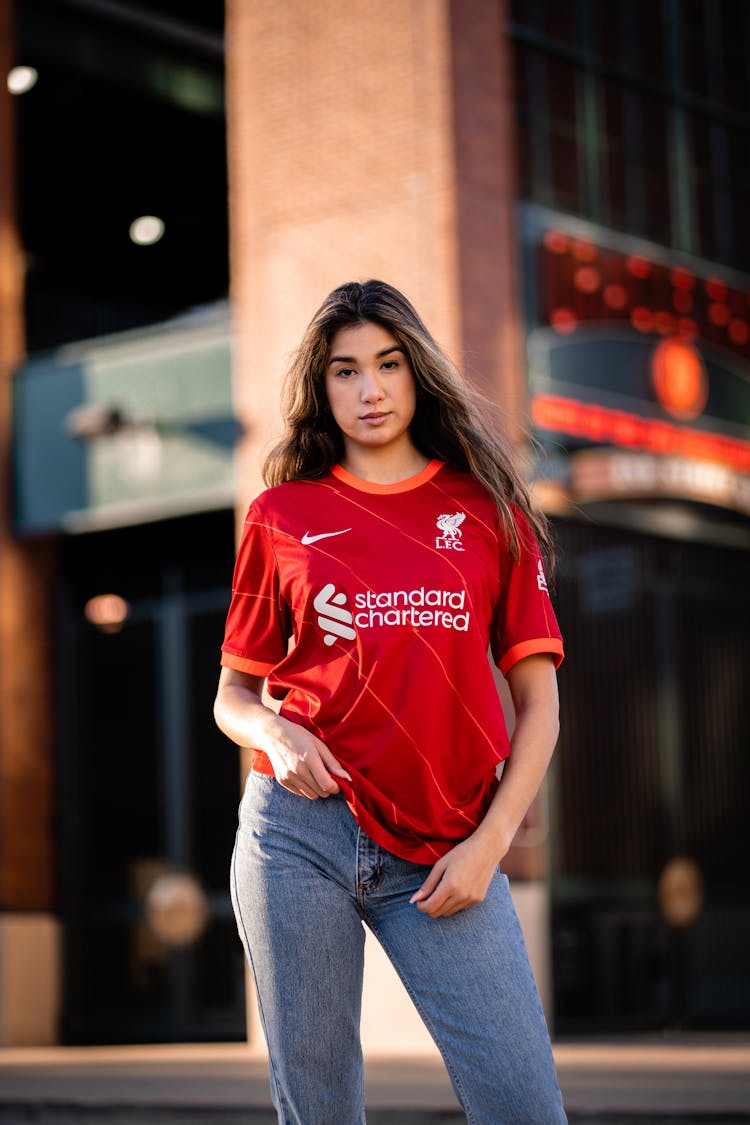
(28, 969)
(341, 168)
(489, 278)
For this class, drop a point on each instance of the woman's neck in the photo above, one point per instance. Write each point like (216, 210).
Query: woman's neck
(384, 466)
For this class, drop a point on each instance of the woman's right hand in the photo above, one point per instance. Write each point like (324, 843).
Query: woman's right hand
(301, 762)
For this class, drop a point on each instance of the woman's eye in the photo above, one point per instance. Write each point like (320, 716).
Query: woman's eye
(390, 364)
(344, 372)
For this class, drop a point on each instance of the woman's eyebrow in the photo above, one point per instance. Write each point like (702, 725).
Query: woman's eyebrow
(352, 359)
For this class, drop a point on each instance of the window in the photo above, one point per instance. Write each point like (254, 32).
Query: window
(636, 114)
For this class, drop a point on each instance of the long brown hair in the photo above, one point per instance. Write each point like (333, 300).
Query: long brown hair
(450, 423)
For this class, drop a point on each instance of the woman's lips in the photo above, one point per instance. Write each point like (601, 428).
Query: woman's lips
(376, 418)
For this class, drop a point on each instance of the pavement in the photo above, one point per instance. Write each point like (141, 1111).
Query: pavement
(677, 1079)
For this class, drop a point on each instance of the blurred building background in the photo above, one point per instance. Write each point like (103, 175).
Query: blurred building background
(563, 189)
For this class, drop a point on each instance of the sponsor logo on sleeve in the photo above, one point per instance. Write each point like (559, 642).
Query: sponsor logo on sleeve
(541, 579)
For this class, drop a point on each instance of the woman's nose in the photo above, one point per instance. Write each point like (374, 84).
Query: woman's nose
(372, 388)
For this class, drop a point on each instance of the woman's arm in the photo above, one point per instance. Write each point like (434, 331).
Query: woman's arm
(301, 762)
(461, 877)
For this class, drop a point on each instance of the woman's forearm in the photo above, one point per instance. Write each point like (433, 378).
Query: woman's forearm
(532, 746)
(300, 761)
(240, 712)
(534, 690)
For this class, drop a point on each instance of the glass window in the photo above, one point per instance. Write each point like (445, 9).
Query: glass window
(645, 123)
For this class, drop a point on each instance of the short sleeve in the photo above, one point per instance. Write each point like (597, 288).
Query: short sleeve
(256, 633)
(524, 622)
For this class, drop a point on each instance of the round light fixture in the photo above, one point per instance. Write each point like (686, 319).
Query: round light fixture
(146, 230)
(22, 79)
(176, 908)
(108, 612)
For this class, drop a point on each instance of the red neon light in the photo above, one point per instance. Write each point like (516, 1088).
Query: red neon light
(715, 289)
(638, 266)
(679, 378)
(664, 322)
(587, 279)
(616, 296)
(719, 314)
(687, 326)
(597, 283)
(556, 241)
(642, 318)
(682, 300)
(681, 278)
(564, 321)
(618, 427)
(739, 331)
(585, 251)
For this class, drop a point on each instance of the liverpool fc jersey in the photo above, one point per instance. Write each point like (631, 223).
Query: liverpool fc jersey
(371, 609)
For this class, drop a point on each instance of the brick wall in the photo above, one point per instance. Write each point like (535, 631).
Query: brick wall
(26, 845)
(341, 168)
(485, 189)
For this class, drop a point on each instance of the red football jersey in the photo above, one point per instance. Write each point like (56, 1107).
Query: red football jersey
(392, 595)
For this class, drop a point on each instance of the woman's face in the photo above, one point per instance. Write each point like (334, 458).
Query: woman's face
(371, 388)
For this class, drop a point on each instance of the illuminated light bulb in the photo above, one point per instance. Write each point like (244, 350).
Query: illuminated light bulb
(615, 295)
(715, 289)
(146, 230)
(719, 314)
(738, 331)
(642, 319)
(664, 322)
(681, 278)
(584, 251)
(686, 326)
(108, 612)
(679, 378)
(556, 241)
(682, 300)
(638, 266)
(564, 321)
(587, 279)
(21, 79)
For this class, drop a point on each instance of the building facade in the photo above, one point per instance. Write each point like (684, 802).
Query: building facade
(562, 191)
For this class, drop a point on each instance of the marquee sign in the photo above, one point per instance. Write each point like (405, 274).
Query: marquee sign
(630, 350)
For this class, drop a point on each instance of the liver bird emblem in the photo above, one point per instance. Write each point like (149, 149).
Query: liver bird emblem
(449, 525)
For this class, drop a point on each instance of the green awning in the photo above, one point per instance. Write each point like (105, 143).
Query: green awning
(125, 429)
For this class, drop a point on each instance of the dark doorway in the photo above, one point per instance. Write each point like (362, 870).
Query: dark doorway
(652, 764)
(147, 783)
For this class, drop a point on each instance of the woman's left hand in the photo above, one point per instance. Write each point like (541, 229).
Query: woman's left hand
(459, 879)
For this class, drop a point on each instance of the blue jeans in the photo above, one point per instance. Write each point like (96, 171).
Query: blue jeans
(305, 878)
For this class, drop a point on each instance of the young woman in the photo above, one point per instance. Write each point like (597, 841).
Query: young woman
(394, 548)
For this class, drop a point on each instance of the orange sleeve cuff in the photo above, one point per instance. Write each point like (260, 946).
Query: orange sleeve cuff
(243, 664)
(551, 645)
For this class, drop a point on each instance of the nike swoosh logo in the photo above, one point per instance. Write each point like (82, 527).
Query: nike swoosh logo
(307, 538)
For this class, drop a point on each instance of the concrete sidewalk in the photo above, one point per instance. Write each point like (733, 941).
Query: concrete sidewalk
(654, 1079)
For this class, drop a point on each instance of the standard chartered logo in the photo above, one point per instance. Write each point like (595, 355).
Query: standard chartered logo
(421, 607)
(333, 619)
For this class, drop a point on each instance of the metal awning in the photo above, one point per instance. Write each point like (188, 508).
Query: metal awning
(127, 428)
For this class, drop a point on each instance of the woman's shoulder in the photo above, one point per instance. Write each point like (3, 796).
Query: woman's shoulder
(464, 485)
(278, 497)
